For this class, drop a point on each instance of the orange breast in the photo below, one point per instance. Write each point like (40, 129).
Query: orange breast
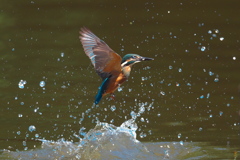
(115, 82)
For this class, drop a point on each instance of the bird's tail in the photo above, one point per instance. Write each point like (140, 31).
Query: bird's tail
(101, 90)
(98, 98)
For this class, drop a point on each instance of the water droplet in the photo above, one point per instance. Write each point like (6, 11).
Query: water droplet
(210, 73)
(170, 67)
(181, 142)
(48, 105)
(63, 86)
(21, 103)
(203, 48)
(143, 135)
(220, 113)
(62, 54)
(20, 115)
(113, 108)
(216, 31)
(42, 84)
(162, 81)
(18, 132)
(162, 93)
(200, 129)
(141, 109)
(147, 120)
(200, 24)
(221, 38)
(144, 78)
(210, 116)
(158, 114)
(13, 49)
(36, 135)
(120, 89)
(24, 143)
(179, 135)
(216, 80)
(180, 70)
(150, 132)
(228, 105)
(234, 58)
(214, 35)
(209, 32)
(32, 128)
(21, 84)
(208, 95)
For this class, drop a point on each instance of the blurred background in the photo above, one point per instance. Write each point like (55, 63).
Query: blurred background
(190, 92)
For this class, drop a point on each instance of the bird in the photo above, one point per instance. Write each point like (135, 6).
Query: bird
(113, 69)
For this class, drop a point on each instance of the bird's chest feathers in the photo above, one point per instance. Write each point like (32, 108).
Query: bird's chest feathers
(115, 82)
(120, 79)
(126, 71)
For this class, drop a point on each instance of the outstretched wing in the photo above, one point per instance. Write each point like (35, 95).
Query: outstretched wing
(104, 59)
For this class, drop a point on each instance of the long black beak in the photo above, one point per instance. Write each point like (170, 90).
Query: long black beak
(146, 59)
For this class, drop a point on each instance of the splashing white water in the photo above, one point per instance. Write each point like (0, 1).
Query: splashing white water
(105, 141)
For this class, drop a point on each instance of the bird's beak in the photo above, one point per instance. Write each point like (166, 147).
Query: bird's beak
(146, 59)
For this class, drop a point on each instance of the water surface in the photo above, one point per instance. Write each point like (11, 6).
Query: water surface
(188, 94)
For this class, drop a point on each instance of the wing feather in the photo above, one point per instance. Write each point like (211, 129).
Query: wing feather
(105, 61)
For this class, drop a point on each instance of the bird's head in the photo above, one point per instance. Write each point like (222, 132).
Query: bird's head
(130, 59)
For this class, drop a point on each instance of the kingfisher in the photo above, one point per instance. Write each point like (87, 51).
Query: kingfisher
(113, 69)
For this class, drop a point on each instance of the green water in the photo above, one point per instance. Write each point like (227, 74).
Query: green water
(190, 89)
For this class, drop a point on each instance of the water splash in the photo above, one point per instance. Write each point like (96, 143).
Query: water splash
(105, 141)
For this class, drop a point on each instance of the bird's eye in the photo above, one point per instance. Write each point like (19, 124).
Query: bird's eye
(134, 56)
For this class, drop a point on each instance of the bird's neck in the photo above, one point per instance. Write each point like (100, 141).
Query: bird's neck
(126, 70)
